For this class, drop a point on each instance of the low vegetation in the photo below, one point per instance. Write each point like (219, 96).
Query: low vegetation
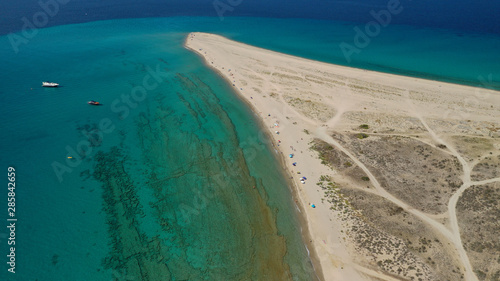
(364, 126)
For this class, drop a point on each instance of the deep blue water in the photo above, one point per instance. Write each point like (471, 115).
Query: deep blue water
(178, 184)
(462, 15)
(169, 188)
(449, 55)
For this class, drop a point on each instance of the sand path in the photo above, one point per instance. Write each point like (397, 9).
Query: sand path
(261, 72)
(454, 235)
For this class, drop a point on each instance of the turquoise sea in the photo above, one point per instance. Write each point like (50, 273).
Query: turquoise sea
(161, 181)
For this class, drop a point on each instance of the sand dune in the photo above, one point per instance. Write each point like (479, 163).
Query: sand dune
(388, 161)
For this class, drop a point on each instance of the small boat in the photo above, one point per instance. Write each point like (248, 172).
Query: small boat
(50, 84)
(93, 102)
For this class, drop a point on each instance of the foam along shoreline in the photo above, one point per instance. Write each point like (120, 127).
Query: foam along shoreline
(300, 100)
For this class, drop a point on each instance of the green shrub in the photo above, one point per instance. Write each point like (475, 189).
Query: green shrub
(361, 136)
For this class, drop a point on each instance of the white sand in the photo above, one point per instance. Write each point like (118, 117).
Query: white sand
(301, 94)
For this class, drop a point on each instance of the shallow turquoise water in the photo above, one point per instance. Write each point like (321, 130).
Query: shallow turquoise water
(166, 192)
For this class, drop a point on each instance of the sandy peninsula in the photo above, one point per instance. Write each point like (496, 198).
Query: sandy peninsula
(403, 173)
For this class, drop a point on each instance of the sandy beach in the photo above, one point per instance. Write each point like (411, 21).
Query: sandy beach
(388, 161)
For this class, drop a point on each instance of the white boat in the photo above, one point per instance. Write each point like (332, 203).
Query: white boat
(49, 84)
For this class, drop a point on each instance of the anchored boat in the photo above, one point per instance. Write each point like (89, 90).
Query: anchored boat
(50, 84)
(93, 102)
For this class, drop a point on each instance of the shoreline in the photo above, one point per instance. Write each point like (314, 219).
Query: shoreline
(403, 75)
(280, 157)
(298, 200)
(300, 100)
